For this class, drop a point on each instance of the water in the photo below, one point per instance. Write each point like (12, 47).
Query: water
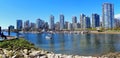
(77, 44)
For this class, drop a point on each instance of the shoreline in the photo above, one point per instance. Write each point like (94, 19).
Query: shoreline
(77, 32)
(105, 32)
(33, 52)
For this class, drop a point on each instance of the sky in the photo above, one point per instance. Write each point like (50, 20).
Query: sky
(11, 10)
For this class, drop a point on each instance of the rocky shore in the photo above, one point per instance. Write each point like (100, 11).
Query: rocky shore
(32, 53)
(20, 48)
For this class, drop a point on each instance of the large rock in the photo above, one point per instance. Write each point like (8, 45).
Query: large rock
(26, 51)
(9, 53)
(1, 51)
(3, 56)
(42, 56)
(35, 53)
(18, 54)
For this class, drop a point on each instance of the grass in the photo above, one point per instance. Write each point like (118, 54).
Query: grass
(16, 44)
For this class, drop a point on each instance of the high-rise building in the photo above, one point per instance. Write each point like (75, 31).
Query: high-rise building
(57, 26)
(108, 15)
(74, 22)
(32, 26)
(61, 22)
(46, 26)
(78, 25)
(66, 25)
(69, 26)
(95, 20)
(117, 23)
(82, 21)
(87, 22)
(19, 25)
(74, 19)
(74, 25)
(51, 26)
(38, 23)
(27, 25)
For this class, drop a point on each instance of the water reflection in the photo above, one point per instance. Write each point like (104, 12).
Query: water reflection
(78, 44)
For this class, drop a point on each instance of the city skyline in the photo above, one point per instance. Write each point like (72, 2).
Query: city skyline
(32, 10)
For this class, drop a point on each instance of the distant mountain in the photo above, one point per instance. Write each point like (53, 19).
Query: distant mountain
(117, 16)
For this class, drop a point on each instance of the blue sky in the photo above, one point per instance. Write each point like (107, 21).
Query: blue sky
(11, 10)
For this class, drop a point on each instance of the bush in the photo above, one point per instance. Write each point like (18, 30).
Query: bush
(16, 44)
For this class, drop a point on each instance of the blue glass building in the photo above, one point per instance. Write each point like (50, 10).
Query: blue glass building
(95, 20)
(19, 25)
(27, 24)
(51, 26)
(74, 22)
(87, 22)
(108, 15)
(82, 21)
(74, 19)
(39, 24)
(61, 22)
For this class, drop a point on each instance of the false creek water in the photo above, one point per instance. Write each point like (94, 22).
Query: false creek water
(76, 44)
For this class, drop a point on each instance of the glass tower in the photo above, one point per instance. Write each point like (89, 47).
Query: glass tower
(82, 21)
(87, 22)
(74, 19)
(108, 15)
(61, 22)
(74, 22)
(38, 23)
(19, 25)
(51, 22)
(95, 20)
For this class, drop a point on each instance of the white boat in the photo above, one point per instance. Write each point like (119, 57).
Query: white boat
(84, 32)
(48, 37)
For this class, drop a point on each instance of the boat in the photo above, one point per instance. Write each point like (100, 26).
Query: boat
(48, 37)
(84, 32)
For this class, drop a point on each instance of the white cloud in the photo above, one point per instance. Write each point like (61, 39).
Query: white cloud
(117, 16)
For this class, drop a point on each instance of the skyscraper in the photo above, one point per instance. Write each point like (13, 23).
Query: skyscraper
(32, 26)
(82, 21)
(108, 15)
(46, 26)
(57, 26)
(95, 20)
(38, 23)
(117, 23)
(61, 22)
(74, 22)
(27, 25)
(74, 19)
(51, 26)
(69, 26)
(19, 25)
(87, 22)
(66, 24)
